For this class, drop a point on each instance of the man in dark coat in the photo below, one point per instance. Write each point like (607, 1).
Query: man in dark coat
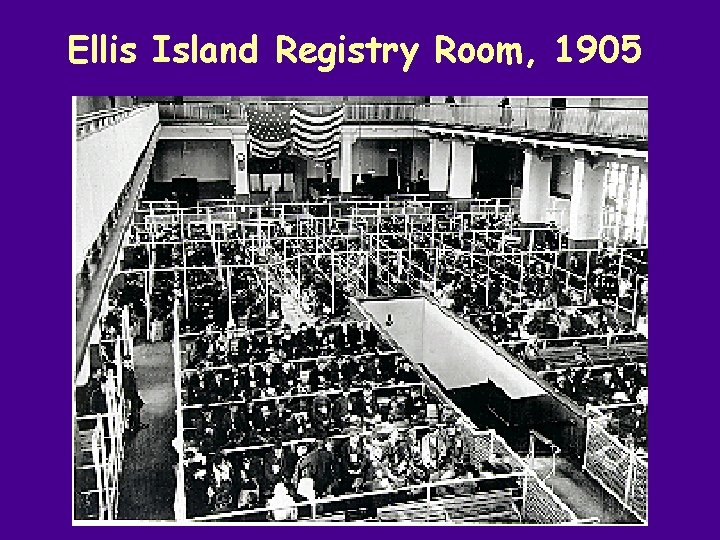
(318, 466)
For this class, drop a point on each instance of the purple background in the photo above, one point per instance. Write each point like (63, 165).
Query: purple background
(37, 171)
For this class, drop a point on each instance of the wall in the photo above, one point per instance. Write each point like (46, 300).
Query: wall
(421, 157)
(370, 155)
(624, 103)
(373, 155)
(495, 168)
(565, 178)
(407, 327)
(487, 101)
(456, 356)
(104, 162)
(316, 169)
(475, 375)
(459, 358)
(301, 176)
(206, 160)
(88, 104)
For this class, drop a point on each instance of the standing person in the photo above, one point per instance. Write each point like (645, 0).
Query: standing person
(505, 112)
(221, 484)
(133, 400)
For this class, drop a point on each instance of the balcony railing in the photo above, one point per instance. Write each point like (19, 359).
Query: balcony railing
(380, 112)
(621, 124)
(224, 113)
(85, 124)
(586, 121)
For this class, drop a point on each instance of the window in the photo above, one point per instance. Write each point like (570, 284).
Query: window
(625, 208)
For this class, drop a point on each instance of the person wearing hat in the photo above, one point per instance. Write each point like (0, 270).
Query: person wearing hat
(221, 483)
(196, 489)
(339, 337)
(368, 403)
(348, 371)
(279, 379)
(272, 470)
(317, 465)
(320, 415)
(248, 490)
(353, 336)
(332, 370)
(340, 410)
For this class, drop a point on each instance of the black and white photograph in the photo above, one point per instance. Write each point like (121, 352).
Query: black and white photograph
(360, 310)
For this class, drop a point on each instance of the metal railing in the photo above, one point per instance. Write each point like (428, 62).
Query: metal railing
(380, 112)
(616, 467)
(203, 112)
(585, 121)
(85, 124)
(525, 498)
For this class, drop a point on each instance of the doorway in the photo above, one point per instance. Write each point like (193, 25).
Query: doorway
(392, 172)
(557, 113)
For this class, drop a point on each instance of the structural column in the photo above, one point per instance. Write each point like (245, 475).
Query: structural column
(348, 136)
(439, 173)
(586, 202)
(239, 156)
(535, 197)
(461, 170)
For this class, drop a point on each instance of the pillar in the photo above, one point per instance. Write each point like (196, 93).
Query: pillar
(461, 170)
(535, 196)
(586, 202)
(347, 139)
(644, 180)
(439, 173)
(239, 166)
(301, 173)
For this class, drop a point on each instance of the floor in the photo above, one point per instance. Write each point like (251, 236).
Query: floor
(293, 313)
(147, 485)
(581, 493)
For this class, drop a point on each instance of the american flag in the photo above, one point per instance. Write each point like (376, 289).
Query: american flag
(314, 135)
(269, 132)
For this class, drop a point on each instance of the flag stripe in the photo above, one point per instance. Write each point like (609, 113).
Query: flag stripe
(295, 131)
(318, 119)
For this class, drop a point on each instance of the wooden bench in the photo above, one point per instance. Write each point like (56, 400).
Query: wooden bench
(414, 511)
(486, 507)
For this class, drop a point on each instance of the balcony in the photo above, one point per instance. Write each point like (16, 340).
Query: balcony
(86, 124)
(380, 113)
(629, 125)
(614, 126)
(203, 113)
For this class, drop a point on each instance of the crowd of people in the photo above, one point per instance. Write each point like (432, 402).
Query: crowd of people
(274, 419)
(601, 385)
(630, 425)
(244, 294)
(528, 292)
(281, 479)
(111, 395)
